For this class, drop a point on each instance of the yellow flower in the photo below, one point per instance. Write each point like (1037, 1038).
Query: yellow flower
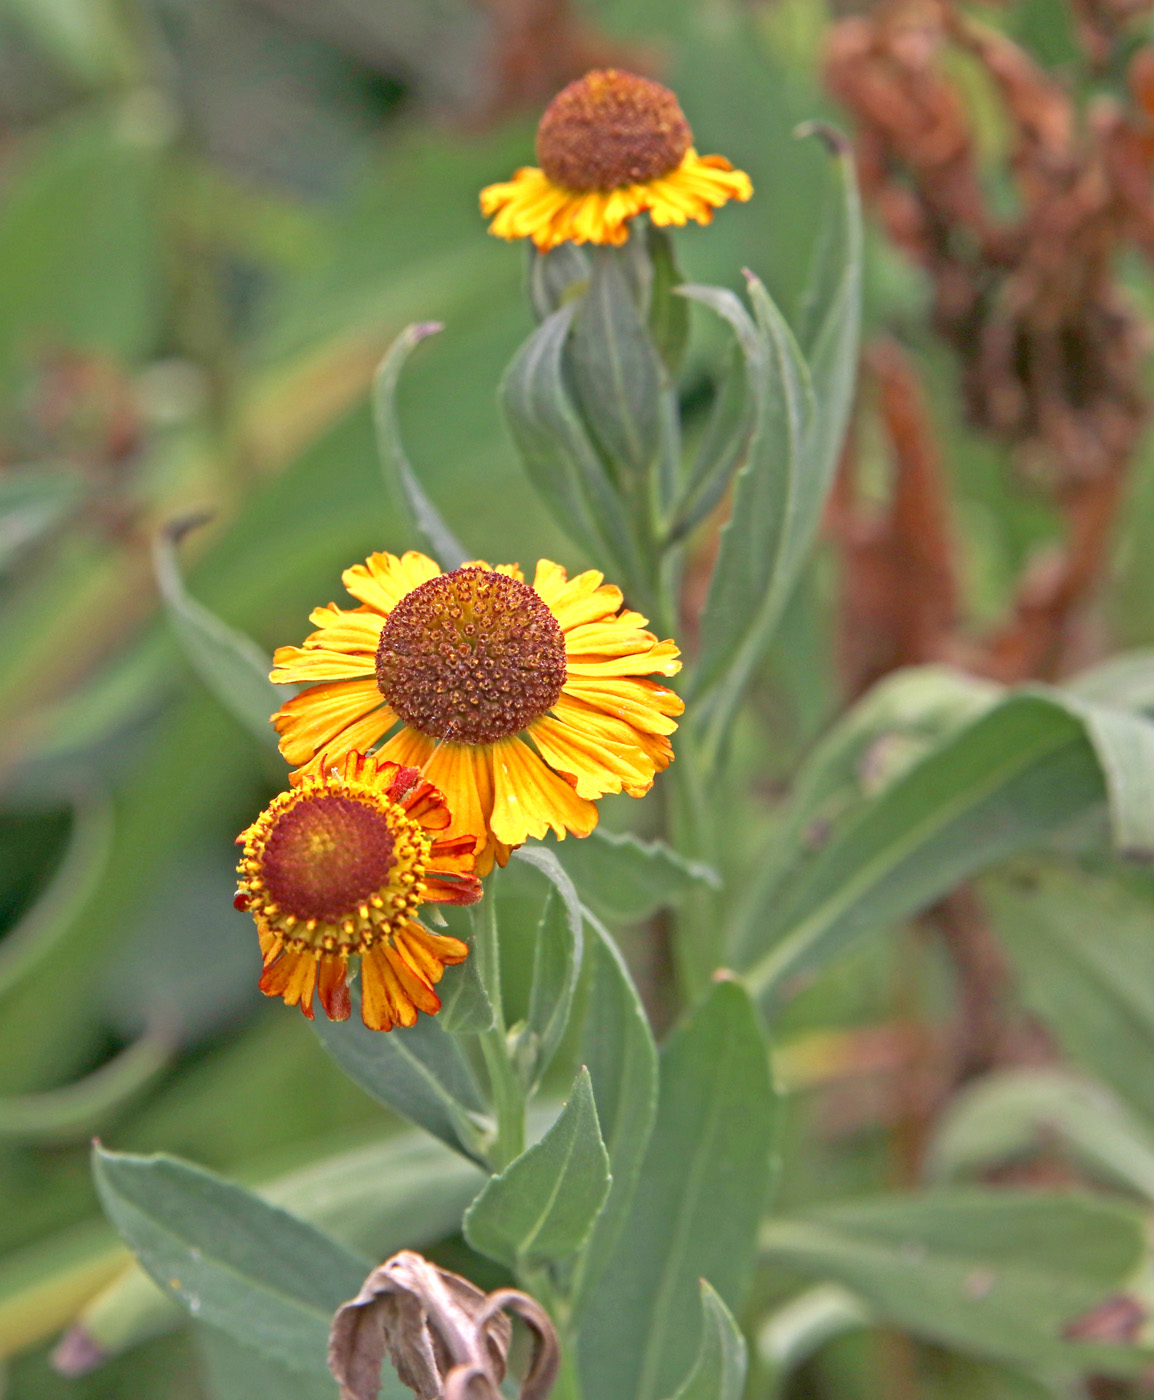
(473, 664)
(338, 867)
(610, 145)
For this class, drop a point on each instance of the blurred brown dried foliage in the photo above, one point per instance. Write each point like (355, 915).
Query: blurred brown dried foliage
(1050, 351)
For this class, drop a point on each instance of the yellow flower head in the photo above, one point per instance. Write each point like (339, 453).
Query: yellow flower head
(339, 867)
(523, 704)
(610, 145)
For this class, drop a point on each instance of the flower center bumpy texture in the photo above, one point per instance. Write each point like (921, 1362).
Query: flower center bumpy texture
(326, 856)
(473, 656)
(610, 129)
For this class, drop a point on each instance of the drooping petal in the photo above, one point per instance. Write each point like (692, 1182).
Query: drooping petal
(529, 797)
(416, 988)
(293, 977)
(428, 954)
(332, 988)
(383, 1000)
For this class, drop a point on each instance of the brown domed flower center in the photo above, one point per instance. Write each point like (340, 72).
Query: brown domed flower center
(473, 656)
(326, 855)
(610, 129)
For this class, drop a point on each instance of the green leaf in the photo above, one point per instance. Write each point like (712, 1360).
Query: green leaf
(33, 501)
(706, 1176)
(235, 1261)
(419, 1072)
(616, 373)
(237, 1372)
(747, 577)
(541, 1208)
(465, 1005)
(618, 1050)
(1010, 779)
(723, 447)
(561, 462)
(830, 319)
(421, 518)
(1125, 681)
(668, 313)
(406, 1192)
(557, 955)
(556, 277)
(1124, 743)
(230, 664)
(907, 714)
(1008, 1116)
(790, 505)
(1000, 1274)
(628, 879)
(1082, 950)
(719, 1371)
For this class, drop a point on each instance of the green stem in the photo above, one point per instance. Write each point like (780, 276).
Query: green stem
(508, 1094)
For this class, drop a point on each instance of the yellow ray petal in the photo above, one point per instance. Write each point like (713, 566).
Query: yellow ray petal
(642, 703)
(318, 715)
(383, 579)
(342, 630)
(529, 798)
(361, 735)
(294, 664)
(594, 763)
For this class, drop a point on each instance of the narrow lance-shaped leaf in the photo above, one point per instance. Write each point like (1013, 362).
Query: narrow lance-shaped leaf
(1005, 1117)
(829, 334)
(541, 1208)
(616, 372)
(420, 1072)
(1124, 743)
(561, 461)
(256, 1272)
(557, 957)
(618, 1050)
(919, 708)
(556, 277)
(629, 879)
(747, 578)
(668, 313)
(232, 665)
(719, 1371)
(1010, 1275)
(421, 517)
(1011, 779)
(722, 449)
(706, 1175)
(408, 1190)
